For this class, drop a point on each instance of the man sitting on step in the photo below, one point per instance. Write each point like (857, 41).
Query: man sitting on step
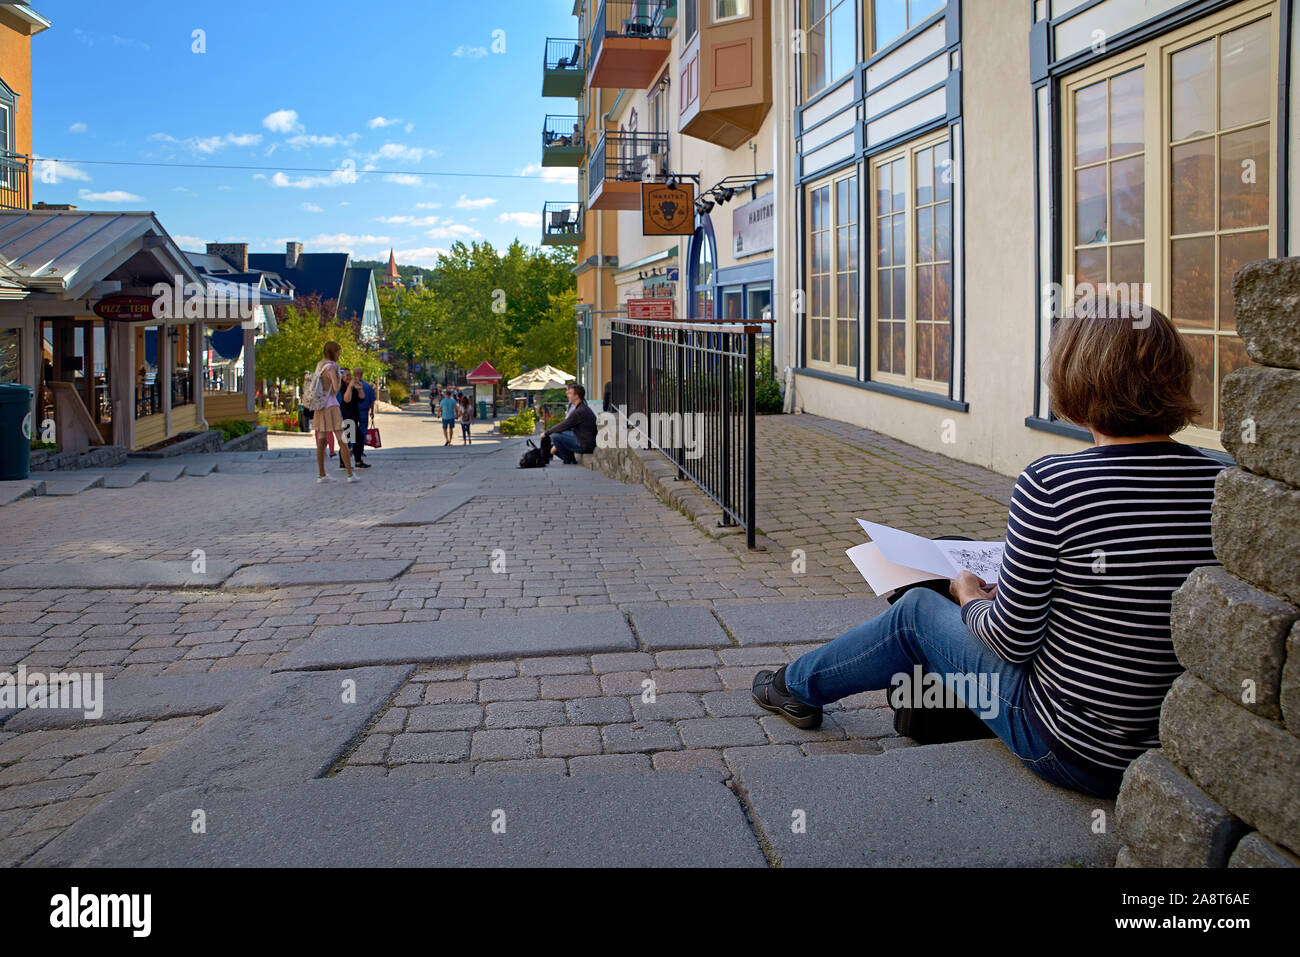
(577, 433)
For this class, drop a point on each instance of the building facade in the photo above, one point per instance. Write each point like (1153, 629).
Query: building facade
(958, 172)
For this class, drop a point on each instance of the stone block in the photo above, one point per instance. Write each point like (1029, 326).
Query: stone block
(1259, 406)
(1289, 695)
(1267, 298)
(525, 714)
(1248, 764)
(1167, 821)
(506, 745)
(1229, 633)
(1255, 850)
(1254, 520)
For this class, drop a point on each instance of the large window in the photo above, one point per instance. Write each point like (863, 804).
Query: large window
(1169, 154)
(829, 45)
(911, 308)
(892, 18)
(832, 293)
(729, 10)
(702, 276)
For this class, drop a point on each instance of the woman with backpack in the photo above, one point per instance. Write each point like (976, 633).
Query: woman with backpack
(466, 418)
(322, 392)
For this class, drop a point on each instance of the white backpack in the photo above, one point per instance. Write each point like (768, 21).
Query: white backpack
(314, 395)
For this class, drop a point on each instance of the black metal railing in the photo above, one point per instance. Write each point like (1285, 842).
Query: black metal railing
(636, 19)
(562, 220)
(627, 157)
(15, 180)
(562, 131)
(182, 387)
(148, 399)
(687, 390)
(563, 54)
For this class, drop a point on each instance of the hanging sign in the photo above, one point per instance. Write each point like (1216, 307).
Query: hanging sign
(650, 309)
(125, 307)
(667, 212)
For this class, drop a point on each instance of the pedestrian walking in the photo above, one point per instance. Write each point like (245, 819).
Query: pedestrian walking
(466, 419)
(350, 396)
(328, 418)
(448, 410)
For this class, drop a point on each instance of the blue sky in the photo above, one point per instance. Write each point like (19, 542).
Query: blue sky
(341, 87)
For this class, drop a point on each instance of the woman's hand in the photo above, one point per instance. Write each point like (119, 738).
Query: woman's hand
(967, 587)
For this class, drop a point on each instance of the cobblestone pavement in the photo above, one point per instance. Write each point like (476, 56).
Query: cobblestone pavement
(576, 714)
(607, 547)
(50, 779)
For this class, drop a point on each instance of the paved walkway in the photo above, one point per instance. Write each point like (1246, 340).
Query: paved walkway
(632, 642)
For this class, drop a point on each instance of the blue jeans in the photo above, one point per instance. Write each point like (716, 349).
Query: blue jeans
(925, 628)
(565, 445)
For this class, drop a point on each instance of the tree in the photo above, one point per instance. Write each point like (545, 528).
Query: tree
(553, 341)
(298, 346)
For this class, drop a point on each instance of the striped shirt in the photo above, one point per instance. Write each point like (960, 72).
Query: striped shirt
(1097, 543)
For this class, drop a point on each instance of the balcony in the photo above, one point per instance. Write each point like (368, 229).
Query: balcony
(619, 164)
(562, 141)
(15, 181)
(563, 68)
(629, 43)
(562, 224)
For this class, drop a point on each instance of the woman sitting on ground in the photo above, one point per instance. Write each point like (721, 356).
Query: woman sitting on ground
(1074, 639)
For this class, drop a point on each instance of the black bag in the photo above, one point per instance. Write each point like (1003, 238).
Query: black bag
(937, 725)
(534, 458)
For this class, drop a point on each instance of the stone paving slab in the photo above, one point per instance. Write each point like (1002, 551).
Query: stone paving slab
(12, 491)
(665, 627)
(630, 819)
(477, 639)
(970, 804)
(71, 484)
(144, 699)
(319, 573)
(125, 478)
(288, 729)
(117, 573)
(788, 622)
(168, 472)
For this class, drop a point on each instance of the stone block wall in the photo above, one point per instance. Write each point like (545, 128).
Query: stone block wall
(1223, 790)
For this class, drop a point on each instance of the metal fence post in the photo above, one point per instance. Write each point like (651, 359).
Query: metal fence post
(751, 522)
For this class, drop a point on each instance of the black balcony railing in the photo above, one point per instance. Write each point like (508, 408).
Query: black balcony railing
(562, 131)
(564, 72)
(182, 388)
(148, 398)
(627, 157)
(636, 19)
(686, 389)
(563, 54)
(15, 181)
(562, 224)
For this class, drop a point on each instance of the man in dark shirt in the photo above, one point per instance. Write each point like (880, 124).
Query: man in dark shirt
(577, 433)
(350, 398)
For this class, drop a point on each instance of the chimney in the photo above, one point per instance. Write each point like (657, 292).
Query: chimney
(236, 254)
(292, 251)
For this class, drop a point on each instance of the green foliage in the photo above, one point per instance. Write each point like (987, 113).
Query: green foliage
(233, 428)
(39, 446)
(277, 420)
(296, 348)
(525, 423)
(398, 392)
(767, 396)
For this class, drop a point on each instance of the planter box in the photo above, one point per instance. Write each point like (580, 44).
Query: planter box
(100, 457)
(254, 441)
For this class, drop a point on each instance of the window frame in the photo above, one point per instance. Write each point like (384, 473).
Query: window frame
(715, 20)
(1155, 56)
(807, 27)
(907, 152)
(831, 182)
(870, 38)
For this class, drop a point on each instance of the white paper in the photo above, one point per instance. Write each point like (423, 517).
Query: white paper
(984, 559)
(881, 574)
(911, 551)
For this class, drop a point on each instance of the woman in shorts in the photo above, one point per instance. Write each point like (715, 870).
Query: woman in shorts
(330, 418)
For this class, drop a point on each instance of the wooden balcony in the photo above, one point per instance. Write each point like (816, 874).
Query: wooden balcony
(629, 44)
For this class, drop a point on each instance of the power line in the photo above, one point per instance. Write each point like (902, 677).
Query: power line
(287, 169)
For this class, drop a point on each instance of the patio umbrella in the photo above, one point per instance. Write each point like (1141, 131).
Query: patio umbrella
(539, 380)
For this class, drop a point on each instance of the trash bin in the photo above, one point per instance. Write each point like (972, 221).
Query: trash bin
(482, 409)
(15, 431)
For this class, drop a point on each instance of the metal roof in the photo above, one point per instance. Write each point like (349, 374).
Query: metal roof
(65, 252)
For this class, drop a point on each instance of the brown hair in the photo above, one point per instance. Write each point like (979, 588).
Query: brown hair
(1121, 376)
(578, 390)
(332, 350)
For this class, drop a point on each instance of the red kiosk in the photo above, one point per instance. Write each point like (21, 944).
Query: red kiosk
(487, 376)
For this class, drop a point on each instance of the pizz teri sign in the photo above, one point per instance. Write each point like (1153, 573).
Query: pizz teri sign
(125, 307)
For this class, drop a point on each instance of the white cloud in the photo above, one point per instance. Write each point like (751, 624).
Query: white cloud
(402, 179)
(423, 256)
(428, 205)
(225, 189)
(207, 145)
(474, 53)
(526, 220)
(306, 140)
(54, 171)
(379, 122)
(110, 196)
(194, 241)
(550, 174)
(453, 231)
(466, 203)
(312, 208)
(344, 242)
(408, 220)
(282, 121)
(408, 127)
(398, 151)
(77, 128)
(339, 177)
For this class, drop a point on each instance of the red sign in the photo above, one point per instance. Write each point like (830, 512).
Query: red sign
(650, 309)
(125, 307)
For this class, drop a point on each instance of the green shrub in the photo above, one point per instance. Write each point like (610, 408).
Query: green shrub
(38, 445)
(525, 423)
(234, 428)
(767, 396)
(398, 392)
